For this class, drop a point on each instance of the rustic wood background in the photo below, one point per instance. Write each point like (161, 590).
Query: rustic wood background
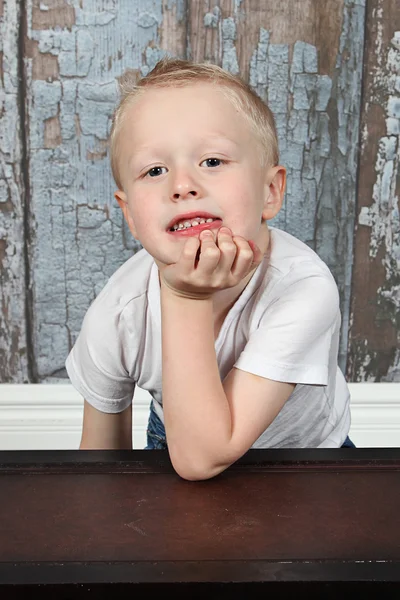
(331, 73)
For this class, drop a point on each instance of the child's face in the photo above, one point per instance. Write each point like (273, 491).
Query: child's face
(188, 150)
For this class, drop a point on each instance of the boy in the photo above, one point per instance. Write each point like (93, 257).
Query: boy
(233, 327)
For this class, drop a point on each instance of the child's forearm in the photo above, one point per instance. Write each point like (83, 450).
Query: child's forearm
(196, 410)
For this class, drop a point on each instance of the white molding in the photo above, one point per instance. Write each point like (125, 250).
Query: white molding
(49, 416)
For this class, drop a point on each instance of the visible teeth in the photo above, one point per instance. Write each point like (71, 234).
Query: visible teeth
(187, 224)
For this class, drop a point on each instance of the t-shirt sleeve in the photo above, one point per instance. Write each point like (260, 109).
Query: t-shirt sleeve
(97, 363)
(293, 341)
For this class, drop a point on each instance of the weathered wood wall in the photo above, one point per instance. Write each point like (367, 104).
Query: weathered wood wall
(62, 234)
(14, 284)
(374, 342)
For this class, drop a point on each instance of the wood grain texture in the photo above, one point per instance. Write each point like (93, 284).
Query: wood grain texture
(374, 343)
(274, 517)
(13, 342)
(305, 59)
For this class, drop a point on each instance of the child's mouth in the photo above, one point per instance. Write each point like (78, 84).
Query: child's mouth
(190, 231)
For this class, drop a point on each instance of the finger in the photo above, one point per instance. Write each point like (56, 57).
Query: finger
(228, 249)
(187, 259)
(209, 253)
(244, 260)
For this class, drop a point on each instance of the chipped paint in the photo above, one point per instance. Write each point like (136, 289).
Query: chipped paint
(320, 158)
(146, 20)
(14, 367)
(211, 19)
(180, 8)
(382, 215)
(346, 97)
(74, 57)
(151, 57)
(80, 235)
(374, 338)
(228, 37)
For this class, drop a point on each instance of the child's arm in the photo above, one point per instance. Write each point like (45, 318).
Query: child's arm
(209, 424)
(97, 368)
(106, 431)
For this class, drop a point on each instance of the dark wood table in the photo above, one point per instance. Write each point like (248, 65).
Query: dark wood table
(87, 524)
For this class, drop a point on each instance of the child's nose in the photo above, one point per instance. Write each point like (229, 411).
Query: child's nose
(184, 185)
(182, 194)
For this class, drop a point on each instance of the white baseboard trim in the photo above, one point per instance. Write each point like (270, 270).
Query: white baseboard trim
(49, 416)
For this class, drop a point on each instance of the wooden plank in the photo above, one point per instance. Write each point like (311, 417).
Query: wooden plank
(374, 343)
(75, 52)
(276, 517)
(14, 365)
(305, 59)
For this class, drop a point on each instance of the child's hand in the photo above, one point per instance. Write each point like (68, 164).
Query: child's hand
(222, 263)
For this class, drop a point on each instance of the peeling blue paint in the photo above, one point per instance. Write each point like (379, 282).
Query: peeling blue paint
(152, 56)
(229, 57)
(180, 6)
(90, 56)
(211, 19)
(324, 91)
(321, 180)
(278, 74)
(146, 20)
(90, 18)
(78, 247)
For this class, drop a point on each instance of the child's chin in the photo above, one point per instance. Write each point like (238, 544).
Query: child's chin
(165, 260)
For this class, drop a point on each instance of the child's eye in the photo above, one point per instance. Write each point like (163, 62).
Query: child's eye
(156, 171)
(213, 162)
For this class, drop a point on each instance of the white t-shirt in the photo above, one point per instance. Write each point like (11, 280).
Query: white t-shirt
(284, 326)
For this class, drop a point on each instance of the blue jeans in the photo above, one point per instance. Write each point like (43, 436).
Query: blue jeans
(348, 443)
(156, 438)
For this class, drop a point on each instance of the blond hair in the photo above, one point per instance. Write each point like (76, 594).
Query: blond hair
(170, 72)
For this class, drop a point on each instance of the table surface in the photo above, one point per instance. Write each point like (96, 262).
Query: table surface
(115, 516)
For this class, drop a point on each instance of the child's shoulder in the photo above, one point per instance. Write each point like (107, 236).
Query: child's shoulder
(129, 282)
(295, 281)
(289, 258)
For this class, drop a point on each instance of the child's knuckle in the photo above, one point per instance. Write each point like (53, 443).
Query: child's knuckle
(228, 247)
(247, 254)
(187, 252)
(212, 252)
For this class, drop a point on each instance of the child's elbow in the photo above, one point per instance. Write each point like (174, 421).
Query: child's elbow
(196, 475)
(197, 471)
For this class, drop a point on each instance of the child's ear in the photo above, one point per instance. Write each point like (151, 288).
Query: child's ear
(275, 184)
(122, 200)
